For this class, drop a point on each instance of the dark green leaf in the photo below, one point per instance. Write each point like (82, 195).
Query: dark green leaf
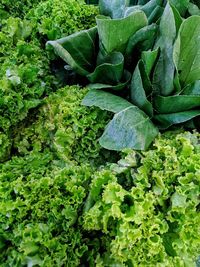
(156, 14)
(149, 59)
(71, 49)
(176, 103)
(114, 34)
(192, 89)
(164, 71)
(130, 128)
(153, 10)
(138, 93)
(110, 71)
(146, 34)
(119, 86)
(105, 101)
(187, 51)
(164, 121)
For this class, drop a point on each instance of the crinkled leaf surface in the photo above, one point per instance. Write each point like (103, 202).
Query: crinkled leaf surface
(187, 51)
(130, 128)
(78, 50)
(110, 72)
(105, 101)
(115, 33)
(176, 103)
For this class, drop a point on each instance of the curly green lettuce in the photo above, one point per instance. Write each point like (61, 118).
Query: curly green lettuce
(40, 202)
(18, 8)
(26, 75)
(58, 18)
(68, 128)
(147, 205)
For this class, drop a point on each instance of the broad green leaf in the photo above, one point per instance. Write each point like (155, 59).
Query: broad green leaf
(164, 70)
(105, 101)
(115, 33)
(143, 37)
(164, 121)
(130, 128)
(149, 59)
(187, 51)
(78, 50)
(176, 103)
(192, 89)
(180, 5)
(131, 9)
(110, 71)
(112, 8)
(138, 93)
(119, 86)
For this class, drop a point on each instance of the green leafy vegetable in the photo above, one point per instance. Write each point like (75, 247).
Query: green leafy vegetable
(129, 128)
(83, 56)
(145, 209)
(187, 51)
(147, 56)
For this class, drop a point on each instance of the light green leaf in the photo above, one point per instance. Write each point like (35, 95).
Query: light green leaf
(105, 101)
(187, 51)
(80, 57)
(115, 33)
(180, 5)
(130, 128)
(193, 9)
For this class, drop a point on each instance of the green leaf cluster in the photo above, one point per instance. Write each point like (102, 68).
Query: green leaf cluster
(146, 55)
(145, 209)
(55, 19)
(26, 75)
(40, 202)
(19, 8)
(69, 129)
